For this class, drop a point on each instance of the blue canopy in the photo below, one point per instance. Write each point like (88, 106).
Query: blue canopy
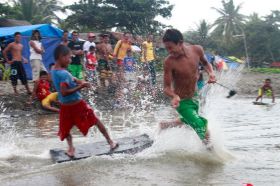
(51, 37)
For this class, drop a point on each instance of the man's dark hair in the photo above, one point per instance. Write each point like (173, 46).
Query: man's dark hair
(65, 31)
(173, 35)
(43, 73)
(17, 33)
(61, 50)
(74, 32)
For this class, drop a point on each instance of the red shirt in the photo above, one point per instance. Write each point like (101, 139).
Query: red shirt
(43, 89)
(92, 62)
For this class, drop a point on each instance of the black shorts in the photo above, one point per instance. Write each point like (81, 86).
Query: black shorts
(18, 72)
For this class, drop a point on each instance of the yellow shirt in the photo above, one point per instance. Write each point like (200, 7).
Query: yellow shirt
(121, 48)
(149, 51)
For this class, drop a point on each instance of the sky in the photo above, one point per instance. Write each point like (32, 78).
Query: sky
(187, 14)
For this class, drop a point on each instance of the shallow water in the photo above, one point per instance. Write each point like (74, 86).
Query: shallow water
(246, 138)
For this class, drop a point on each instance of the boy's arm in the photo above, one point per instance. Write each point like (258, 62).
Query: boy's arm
(145, 52)
(207, 66)
(167, 84)
(65, 91)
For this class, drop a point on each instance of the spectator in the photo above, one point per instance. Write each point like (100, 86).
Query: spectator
(75, 67)
(36, 51)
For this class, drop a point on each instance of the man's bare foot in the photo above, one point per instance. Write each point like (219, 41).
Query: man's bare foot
(70, 152)
(113, 145)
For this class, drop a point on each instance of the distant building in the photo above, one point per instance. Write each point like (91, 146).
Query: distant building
(275, 65)
(12, 22)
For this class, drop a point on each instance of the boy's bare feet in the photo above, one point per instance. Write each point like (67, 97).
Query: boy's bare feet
(71, 152)
(113, 145)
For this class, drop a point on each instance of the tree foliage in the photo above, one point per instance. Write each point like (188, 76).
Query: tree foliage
(33, 11)
(135, 16)
(230, 22)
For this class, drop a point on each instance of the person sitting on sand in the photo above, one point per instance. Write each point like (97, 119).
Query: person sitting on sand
(42, 91)
(267, 90)
(73, 109)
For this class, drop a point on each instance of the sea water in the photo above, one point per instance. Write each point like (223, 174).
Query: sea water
(246, 140)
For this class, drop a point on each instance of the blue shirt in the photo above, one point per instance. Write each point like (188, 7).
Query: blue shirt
(129, 63)
(63, 77)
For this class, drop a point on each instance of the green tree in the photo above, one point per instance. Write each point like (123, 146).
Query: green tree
(200, 36)
(36, 11)
(135, 16)
(230, 22)
(263, 40)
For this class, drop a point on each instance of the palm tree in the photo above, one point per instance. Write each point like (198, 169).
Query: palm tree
(230, 22)
(37, 11)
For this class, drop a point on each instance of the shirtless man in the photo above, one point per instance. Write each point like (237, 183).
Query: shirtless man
(104, 53)
(180, 78)
(17, 69)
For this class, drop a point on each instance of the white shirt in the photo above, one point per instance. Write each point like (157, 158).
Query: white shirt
(33, 53)
(87, 44)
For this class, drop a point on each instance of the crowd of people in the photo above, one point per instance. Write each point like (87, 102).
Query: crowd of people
(106, 67)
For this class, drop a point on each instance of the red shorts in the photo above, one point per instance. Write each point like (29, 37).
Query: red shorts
(79, 114)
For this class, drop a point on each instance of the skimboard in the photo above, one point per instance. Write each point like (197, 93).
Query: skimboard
(260, 103)
(128, 145)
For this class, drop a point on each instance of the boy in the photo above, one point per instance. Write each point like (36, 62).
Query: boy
(17, 69)
(129, 66)
(266, 89)
(91, 64)
(42, 91)
(180, 81)
(73, 110)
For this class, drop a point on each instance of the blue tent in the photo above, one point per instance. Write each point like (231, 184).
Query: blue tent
(51, 37)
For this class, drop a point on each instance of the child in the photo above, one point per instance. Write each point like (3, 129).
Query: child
(42, 91)
(266, 89)
(129, 66)
(73, 110)
(91, 64)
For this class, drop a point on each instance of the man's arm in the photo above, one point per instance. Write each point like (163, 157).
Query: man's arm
(5, 53)
(144, 46)
(116, 49)
(207, 66)
(272, 95)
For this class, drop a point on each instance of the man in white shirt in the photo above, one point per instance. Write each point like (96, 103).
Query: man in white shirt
(89, 42)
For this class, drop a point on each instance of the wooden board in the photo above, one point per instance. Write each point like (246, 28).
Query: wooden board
(129, 145)
(260, 103)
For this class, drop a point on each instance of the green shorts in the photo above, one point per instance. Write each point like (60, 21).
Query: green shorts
(76, 70)
(188, 110)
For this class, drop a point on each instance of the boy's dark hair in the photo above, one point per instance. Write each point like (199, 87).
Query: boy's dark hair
(65, 31)
(17, 33)
(173, 35)
(61, 50)
(43, 73)
(91, 48)
(268, 79)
